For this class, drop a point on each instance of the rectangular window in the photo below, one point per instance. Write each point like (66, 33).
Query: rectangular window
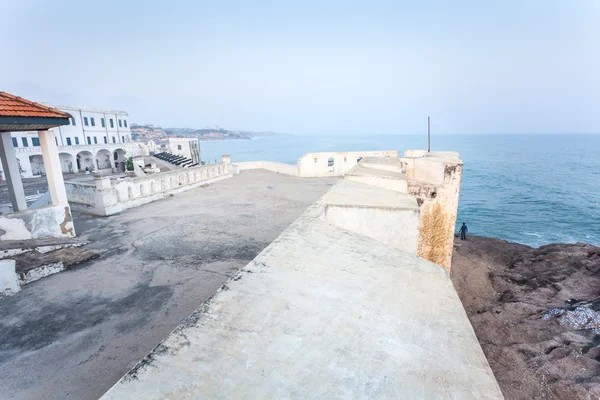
(76, 140)
(68, 141)
(178, 147)
(112, 125)
(125, 123)
(114, 139)
(15, 142)
(105, 140)
(73, 121)
(35, 141)
(93, 122)
(95, 140)
(123, 139)
(102, 122)
(24, 140)
(85, 121)
(120, 124)
(89, 140)
(56, 140)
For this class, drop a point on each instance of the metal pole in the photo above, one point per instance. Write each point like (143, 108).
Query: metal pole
(428, 134)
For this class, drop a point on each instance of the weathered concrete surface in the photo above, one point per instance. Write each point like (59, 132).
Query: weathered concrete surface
(378, 177)
(322, 313)
(385, 215)
(74, 334)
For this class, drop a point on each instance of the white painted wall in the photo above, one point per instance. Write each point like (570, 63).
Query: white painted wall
(107, 197)
(318, 164)
(44, 222)
(313, 165)
(9, 282)
(186, 147)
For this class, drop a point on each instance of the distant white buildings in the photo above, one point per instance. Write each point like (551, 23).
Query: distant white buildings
(96, 139)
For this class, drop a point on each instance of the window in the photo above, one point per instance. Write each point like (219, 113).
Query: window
(105, 140)
(76, 140)
(178, 147)
(56, 140)
(123, 139)
(35, 141)
(120, 124)
(89, 140)
(85, 121)
(95, 140)
(73, 121)
(92, 121)
(114, 139)
(102, 122)
(125, 123)
(15, 142)
(24, 140)
(68, 141)
(112, 125)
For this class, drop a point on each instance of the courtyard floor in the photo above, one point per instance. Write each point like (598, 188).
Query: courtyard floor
(74, 334)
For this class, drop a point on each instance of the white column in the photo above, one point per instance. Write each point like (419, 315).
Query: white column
(11, 172)
(56, 184)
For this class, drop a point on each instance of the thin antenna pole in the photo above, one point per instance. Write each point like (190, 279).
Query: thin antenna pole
(428, 134)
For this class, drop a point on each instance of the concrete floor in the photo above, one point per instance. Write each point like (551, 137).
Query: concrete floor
(74, 334)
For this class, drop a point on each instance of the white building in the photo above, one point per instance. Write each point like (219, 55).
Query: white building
(186, 147)
(96, 139)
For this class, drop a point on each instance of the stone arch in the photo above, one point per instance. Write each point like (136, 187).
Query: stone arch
(119, 159)
(85, 159)
(67, 163)
(37, 165)
(103, 159)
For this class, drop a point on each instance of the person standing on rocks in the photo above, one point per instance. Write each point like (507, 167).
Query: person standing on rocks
(463, 231)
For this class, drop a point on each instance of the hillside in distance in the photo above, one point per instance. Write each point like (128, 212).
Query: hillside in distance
(151, 132)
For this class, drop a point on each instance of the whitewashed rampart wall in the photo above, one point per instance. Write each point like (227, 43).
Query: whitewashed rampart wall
(314, 165)
(107, 197)
(318, 164)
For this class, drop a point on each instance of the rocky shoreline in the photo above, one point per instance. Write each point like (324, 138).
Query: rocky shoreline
(536, 312)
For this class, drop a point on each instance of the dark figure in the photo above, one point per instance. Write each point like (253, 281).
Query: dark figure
(463, 231)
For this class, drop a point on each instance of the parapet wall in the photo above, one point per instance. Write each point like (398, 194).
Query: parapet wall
(434, 178)
(106, 197)
(316, 165)
(53, 221)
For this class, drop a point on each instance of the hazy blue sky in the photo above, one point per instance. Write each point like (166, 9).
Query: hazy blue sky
(313, 67)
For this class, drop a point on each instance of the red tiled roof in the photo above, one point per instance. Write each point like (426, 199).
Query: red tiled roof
(13, 106)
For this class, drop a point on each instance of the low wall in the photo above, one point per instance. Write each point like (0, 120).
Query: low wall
(315, 165)
(280, 168)
(44, 222)
(319, 164)
(107, 197)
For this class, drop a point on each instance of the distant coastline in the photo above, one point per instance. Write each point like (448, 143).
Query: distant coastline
(150, 132)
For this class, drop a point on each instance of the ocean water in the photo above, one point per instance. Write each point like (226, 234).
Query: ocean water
(530, 189)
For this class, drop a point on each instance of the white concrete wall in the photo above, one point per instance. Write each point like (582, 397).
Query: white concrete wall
(44, 222)
(9, 281)
(107, 197)
(313, 165)
(186, 147)
(281, 168)
(317, 164)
